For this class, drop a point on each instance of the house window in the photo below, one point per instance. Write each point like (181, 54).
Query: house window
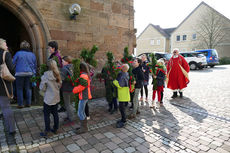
(152, 42)
(194, 36)
(178, 38)
(158, 42)
(184, 37)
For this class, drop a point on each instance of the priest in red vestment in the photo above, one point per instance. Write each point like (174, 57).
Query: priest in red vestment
(177, 76)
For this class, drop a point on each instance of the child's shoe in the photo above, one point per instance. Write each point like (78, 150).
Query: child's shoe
(46, 134)
(141, 99)
(153, 105)
(55, 131)
(120, 124)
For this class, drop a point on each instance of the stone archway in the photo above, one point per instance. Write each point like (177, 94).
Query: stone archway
(25, 11)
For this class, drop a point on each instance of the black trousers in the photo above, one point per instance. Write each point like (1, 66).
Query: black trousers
(87, 110)
(122, 107)
(146, 91)
(113, 104)
(51, 109)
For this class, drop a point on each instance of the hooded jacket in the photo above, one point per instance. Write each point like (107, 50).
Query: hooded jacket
(51, 87)
(122, 84)
(66, 72)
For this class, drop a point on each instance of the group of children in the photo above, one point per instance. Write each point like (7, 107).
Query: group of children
(124, 96)
(56, 81)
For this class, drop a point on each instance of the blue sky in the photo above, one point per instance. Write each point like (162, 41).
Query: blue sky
(170, 13)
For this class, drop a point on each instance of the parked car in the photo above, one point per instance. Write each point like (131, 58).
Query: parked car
(211, 56)
(158, 55)
(195, 60)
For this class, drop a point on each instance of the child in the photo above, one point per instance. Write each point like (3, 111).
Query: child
(122, 84)
(160, 77)
(50, 85)
(139, 77)
(84, 95)
(67, 87)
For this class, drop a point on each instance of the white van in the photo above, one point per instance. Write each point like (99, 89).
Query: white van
(195, 60)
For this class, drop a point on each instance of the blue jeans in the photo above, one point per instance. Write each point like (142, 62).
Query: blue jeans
(23, 83)
(81, 109)
(8, 114)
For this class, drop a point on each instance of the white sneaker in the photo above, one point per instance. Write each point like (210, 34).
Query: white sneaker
(88, 118)
(153, 105)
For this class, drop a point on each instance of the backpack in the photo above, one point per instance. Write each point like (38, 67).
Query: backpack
(6, 75)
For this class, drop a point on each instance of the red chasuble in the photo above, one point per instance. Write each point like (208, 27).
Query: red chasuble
(178, 69)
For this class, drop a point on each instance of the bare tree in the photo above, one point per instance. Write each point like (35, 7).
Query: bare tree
(210, 29)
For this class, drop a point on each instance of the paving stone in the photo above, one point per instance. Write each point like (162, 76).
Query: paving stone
(203, 147)
(92, 140)
(130, 149)
(217, 143)
(79, 151)
(86, 147)
(118, 150)
(100, 147)
(220, 150)
(123, 145)
(45, 148)
(140, 140)
(111, 145)
(109, 135)
(212, 151)
(67, 141)
(105, 140)
(72, 147)
(60, 149)
(117, 140)
(99, 136)
(81, 142)
(142, 149)
(106, 151)
(92, 151)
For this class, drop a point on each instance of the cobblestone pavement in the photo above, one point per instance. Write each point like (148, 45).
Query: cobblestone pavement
(200, 122)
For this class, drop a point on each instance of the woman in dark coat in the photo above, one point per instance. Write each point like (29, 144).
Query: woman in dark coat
(4, 100)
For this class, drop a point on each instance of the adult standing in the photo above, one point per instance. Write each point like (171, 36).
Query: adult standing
(26, 65)
(146, 71)
(177, 69)
(53, 49)
(139, 79)
(4, 100)
(55, 55)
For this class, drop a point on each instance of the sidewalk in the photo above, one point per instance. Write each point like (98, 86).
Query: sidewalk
(200, 122)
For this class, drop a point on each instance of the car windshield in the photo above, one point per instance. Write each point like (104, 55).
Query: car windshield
(168, 56)
(214, 53)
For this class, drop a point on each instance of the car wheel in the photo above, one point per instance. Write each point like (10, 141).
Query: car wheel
(192, 66)
(212, 66)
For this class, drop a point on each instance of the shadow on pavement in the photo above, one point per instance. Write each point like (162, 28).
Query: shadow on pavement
(190, 107)
(168, 125)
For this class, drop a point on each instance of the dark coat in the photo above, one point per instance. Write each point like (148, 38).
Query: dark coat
(147, 70)
(139, 76)
(66, 71)
(160, 78)
(11, 67)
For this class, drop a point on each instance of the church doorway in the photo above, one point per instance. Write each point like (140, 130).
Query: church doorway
(12, 30)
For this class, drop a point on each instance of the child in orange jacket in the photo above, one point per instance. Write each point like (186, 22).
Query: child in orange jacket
(84, 94)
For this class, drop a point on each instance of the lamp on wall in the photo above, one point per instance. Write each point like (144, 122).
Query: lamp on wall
(74, 10)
